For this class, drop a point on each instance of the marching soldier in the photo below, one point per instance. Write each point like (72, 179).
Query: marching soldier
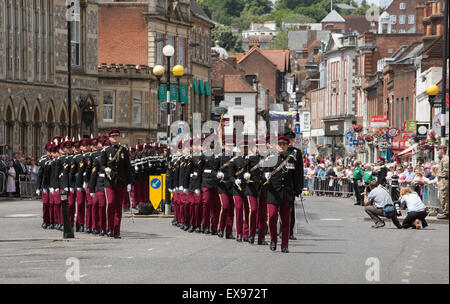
(66, 162)
(115, 162)
(89, 162)
(170, 184)
(225, 189)
(283, 185)
(193, 182)
(55, 183)
(210, 195)
(237, 168)
(97, 184)
(80, 163)
(184, 198)
(300, 173)
(254, 178)
(140, 175)
(43, 185)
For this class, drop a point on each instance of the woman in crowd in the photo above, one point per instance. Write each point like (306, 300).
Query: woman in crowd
(417, 211)
(311, 174)
(419, 182)
(321, 179)
(11, 184)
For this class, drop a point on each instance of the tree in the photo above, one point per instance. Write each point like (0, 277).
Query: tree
(280, 41)
(223, 11)
(229, 41)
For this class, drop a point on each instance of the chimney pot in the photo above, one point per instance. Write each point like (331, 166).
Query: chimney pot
(429, 30)
(439, 29)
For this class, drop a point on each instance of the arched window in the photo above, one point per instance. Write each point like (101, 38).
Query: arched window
(23, 131)
(75, 124)
(50, 124)
(63, 123)
(36, 134)
(9, 127)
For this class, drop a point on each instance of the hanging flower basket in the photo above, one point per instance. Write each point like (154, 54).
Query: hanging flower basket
(356, 128)
(369, 138)
(384, 145)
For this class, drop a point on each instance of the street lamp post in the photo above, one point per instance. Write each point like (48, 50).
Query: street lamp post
(432, 92)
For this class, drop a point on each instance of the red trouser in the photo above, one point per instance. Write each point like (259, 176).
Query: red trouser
(99, 208)
(114, 199)
(254, 208)
(285, 214)
(71, 206)
(226, 215)
(57, 207)
(211, 208)
(89, 202)
(195, 208)
(181, 206)
(81, 207)
(262, 218)
(51, 209)
(186, 207)
(242, 212)
(46, 207)
(174, 204)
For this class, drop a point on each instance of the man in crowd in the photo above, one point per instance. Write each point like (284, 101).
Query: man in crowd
(443, 176)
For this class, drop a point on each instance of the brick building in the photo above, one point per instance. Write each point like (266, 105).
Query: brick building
(139, 30)
(33, 72)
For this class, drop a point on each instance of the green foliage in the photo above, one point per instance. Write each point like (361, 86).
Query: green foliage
(229, 41)
(279, 42)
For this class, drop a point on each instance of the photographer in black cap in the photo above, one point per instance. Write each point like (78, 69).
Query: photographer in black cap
(299, 170)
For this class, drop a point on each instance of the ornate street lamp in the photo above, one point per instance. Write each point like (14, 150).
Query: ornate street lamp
(178, 72)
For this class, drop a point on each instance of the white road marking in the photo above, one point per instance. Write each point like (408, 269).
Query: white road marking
(37, 261)
(150, 249)
(414, 256)
(406, 273)
(21, 215)
(405, 281)
(83, 275)
(331, 219)
(408, 267)
(130, 257)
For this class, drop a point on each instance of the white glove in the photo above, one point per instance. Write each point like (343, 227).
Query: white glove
(72, 190)
(52, 190)
(136, 168)
(129, 188)
(247, 176)
(79, 189)
(238, 182)
(85, 185)
(56, 189)
(180, 188)
(170, 190)
(38, 192)
(107, 170)
(66, 189)
(220, 175)
(267, 175)
(197, 192)
(92, 194)
(185, 191)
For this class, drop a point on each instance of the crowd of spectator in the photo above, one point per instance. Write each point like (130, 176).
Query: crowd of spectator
(15, 167)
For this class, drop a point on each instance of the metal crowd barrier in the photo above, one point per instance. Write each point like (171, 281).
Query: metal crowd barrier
(431, 196)
(3, 180)
(27, 187)
(329, 186)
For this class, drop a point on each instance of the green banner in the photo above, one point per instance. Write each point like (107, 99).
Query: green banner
(184, 94)
(207, 89)
(196, 89)
(162, 92)
(202, 87)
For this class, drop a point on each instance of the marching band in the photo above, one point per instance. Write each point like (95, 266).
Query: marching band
(251, 184)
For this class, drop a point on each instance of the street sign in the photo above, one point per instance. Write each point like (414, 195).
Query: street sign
(349, 136)
(297, 128)
(379, 121)
(156, 191)
(422, 130)
(393, 132)
(164, 106)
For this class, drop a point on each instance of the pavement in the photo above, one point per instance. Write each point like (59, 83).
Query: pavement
(336, 246)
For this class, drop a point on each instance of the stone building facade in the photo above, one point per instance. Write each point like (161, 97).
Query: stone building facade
(33, 71)
(133, 33)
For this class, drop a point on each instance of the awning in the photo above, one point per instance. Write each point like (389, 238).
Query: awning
(408, 150)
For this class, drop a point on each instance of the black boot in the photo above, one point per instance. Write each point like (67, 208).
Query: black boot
(52, 226)
(88, 230)
(230, 237)
(239, 238)
(284, 249)
(44, 226)
(77, 229)
(262, 242)
(206, 231)
(117, 236)
(102, 233)
(213, 232)
(273, 246)
(220, 234)
(109, 233)
(245, 239)
(81, 228)
(251, 239)
(95, 231)
(191, 229)
(198, 229)
(186, 227)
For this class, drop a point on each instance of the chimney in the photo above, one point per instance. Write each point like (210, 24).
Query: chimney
(429, 30)
(439, 29)
(420, 14)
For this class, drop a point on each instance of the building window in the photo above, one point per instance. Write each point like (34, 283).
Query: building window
(237, 101)
(109, 101)
(393, 19)
(181, 51)
(407, 109)
(397, 112)
(402, 5)
(402, 111)
(75, 34)
(137, 108)
(411, 19)
(159, 48)
(401, 19)
(401, 31)
(238, 118)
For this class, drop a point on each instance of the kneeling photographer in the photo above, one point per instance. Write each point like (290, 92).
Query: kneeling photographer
(379, 203)
(417, 211)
